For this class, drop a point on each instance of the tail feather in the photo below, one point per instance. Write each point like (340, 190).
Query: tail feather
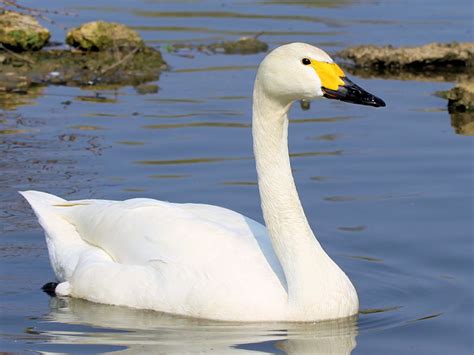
(64, 242)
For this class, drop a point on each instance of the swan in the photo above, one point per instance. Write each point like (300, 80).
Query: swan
(206, 261)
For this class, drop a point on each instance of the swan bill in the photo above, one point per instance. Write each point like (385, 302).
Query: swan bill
(350, 92)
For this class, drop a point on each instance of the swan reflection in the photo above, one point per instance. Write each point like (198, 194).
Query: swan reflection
(142, 331)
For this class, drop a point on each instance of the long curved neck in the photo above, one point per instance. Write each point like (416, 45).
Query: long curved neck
(303, 260)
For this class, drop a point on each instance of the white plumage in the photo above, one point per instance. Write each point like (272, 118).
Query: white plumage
(206, 261)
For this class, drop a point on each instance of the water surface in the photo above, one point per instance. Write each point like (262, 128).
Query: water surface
(388, 191)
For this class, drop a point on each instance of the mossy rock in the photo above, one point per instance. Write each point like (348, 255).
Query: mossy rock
(460, 98)
(101, 35)
(244, 45)
(20, 32)
(433, 56)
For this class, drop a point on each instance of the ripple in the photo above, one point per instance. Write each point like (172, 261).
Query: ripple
(240, 183)
(187, 161)
(131, 143)
(321, 119)
(231, 32)
(198, 124)
(237, 15)
(14, 131)
(217, 68)
(97, 99)
(313, 154)
(352, 229)
(168, 176)
(388, 196)
(87, 127)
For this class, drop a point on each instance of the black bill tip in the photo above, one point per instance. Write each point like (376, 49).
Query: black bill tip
(350, 92)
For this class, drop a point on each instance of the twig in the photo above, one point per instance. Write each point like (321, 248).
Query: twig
(39, 13)
(13, 3)
(16, 55)
(124, 59)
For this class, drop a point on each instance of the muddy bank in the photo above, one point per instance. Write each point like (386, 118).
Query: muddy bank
(433, 57)
(78, 68)
(443, 62)
(431, 62)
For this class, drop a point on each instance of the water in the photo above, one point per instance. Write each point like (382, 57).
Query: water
(388, 191)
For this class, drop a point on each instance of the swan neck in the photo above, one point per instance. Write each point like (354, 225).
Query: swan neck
(295, 245)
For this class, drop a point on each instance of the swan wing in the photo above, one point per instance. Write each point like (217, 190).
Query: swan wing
(144, 253)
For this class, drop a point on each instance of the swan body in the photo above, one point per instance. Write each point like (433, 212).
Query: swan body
(206, 261)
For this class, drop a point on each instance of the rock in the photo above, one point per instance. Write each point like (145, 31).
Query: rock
(461, 107)
(460, 98)
(20, 32)
(244, 45)
(144, 89)
(101, 35)
(432, 56)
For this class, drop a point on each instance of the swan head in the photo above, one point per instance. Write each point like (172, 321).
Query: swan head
(298, 71)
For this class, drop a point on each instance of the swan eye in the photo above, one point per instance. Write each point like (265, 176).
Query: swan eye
(306, 61)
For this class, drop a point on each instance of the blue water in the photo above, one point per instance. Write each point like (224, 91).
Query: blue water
(388, 191)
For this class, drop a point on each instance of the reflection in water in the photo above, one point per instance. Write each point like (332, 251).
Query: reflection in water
(409, 74)
(240, 183)
(150, 331)
(97, 98)
(10, 100)
(223, 159)
(379, 310)
(463, 123)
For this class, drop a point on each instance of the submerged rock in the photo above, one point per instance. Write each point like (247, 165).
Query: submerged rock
(434, 56)
(461, 107)
(19, 32)
(101, 35)
(145, 89)
(244, 45)
(460, 98)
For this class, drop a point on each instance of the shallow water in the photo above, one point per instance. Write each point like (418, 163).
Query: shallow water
(388, 191)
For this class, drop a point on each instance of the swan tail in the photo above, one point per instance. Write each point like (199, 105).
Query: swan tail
(63, 241)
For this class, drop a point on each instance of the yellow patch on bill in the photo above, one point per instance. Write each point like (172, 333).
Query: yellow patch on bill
(329, 73)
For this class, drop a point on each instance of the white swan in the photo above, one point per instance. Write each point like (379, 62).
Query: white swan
(206, 261)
